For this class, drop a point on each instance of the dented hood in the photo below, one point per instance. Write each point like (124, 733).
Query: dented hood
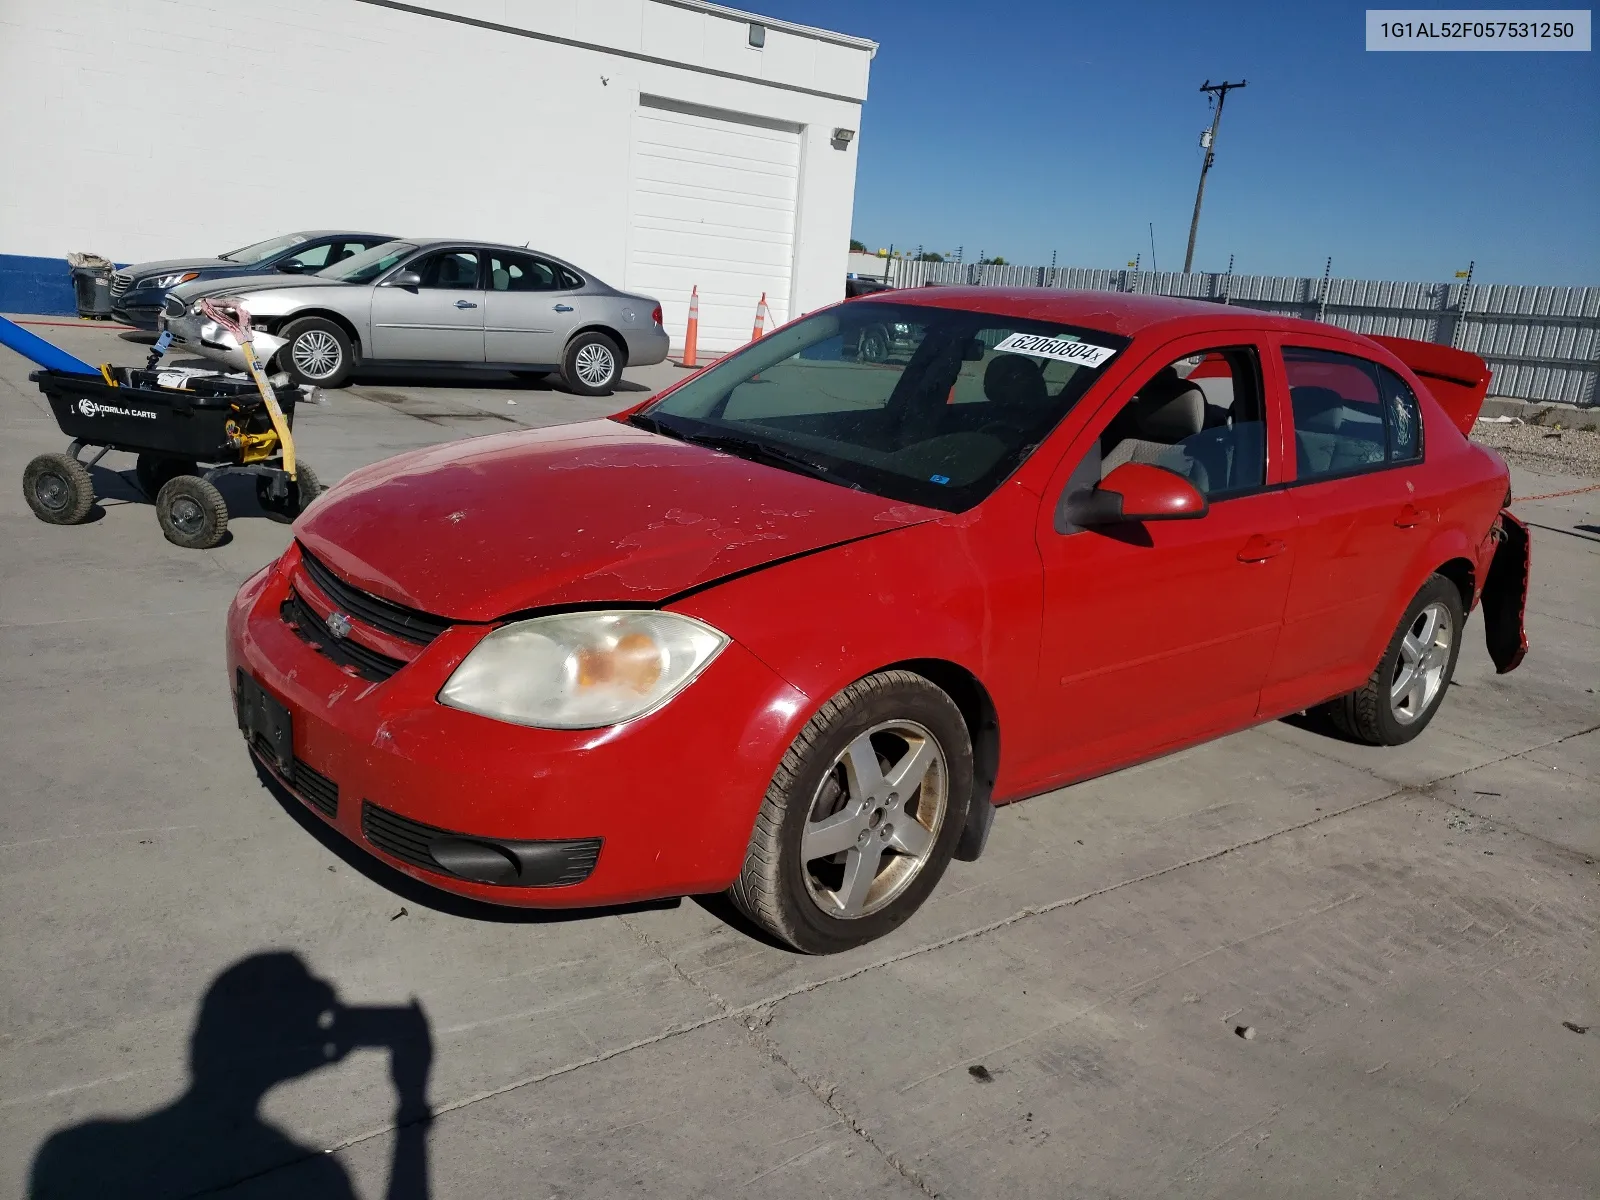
(597, 512)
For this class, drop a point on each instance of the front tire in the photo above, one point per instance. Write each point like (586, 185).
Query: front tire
(318, 353)
(192, 512)
(592, 365)
(59, 489)
(1401, 697)
(862, 816)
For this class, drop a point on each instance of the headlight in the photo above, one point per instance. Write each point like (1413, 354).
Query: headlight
(166, 281)
(582, 670)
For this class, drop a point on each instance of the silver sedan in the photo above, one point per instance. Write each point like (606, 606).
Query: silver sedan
(435, 304)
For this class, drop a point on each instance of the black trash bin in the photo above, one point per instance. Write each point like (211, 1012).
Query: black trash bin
(92, 286)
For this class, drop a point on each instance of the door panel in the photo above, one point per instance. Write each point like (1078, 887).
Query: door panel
(529, 312)
(1150, 640)
(440, 321)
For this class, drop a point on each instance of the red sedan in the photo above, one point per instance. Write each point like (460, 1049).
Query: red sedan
(796, 626)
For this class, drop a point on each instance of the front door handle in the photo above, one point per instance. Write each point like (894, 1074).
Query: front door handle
(563, 308)
(465, 304)
(1411, 516)
(1259, 549)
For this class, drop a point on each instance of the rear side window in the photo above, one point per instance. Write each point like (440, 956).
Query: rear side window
(1405, 420)
(1348, 418)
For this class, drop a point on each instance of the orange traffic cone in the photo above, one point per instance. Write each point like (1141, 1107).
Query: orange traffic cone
(691, 337)
(761, 319)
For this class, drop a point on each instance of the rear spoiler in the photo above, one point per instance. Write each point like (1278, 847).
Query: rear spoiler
(1458, 380)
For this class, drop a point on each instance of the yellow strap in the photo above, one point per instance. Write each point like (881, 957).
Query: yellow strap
(105, 373)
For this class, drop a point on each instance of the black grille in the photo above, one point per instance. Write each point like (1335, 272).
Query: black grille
(120, 282)
(365, 661)
(409, 840)
(174, 307)
(394, 619)
(310, 784)
(316, 789)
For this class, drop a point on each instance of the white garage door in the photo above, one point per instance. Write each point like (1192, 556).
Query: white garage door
(713, 206)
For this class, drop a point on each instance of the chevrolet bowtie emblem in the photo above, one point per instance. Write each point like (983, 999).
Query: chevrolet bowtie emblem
(338, 624)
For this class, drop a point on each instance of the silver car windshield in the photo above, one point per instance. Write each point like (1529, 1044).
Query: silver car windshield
(368, 265)
(262, 251)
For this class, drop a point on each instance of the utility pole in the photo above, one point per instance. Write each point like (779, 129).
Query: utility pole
(1209, 141)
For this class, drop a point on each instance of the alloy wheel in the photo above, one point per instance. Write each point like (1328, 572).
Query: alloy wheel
(316, 353)
(875, 819)
(594, 364)
(1424, 657)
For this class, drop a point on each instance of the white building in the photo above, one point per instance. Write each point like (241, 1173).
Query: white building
(661, 144)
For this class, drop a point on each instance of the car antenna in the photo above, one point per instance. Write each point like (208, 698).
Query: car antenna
(524, 245)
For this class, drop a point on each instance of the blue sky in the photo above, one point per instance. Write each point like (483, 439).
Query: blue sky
(1023, 127)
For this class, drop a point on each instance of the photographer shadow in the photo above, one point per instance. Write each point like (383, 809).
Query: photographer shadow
(265, 1020)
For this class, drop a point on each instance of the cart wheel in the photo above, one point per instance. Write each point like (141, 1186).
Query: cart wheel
(303, 489)
(192, 512)
(153, 471)
(58, 488)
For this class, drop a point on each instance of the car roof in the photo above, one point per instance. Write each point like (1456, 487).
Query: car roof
(308, 234)
(1125, 313)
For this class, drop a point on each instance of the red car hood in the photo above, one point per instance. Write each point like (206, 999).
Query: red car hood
(589, 513)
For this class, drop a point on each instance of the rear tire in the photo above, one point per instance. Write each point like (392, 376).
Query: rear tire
(318, 353)
(837, 783)
(59, 489)
(303, 489)
(192, 512)
(153, 471)
(592, 365)
(1405, 691)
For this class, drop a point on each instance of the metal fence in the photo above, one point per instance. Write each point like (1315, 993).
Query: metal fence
(1543, 343)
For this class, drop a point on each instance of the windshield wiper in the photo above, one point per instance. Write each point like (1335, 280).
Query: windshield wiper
(648, 423)
(778, 456)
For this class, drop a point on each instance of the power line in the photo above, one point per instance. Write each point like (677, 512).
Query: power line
(1209, 141)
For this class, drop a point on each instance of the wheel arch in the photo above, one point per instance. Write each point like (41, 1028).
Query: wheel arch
(599, 327)
(327, 314)
(983, 727)
(1461, 572)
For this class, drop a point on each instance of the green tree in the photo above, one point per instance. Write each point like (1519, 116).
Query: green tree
(996, 261)
(857, 246)
(930, 256)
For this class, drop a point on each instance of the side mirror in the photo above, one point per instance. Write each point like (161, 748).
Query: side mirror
(291, 267)
(1137, 492)
(404, 279)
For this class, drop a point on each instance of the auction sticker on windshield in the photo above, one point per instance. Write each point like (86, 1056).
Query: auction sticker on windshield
(1035, 345)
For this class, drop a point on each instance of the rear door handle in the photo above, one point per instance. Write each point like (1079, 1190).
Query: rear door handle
(465, 304)
(1259, 549)
(563, 308)
(1411, 516)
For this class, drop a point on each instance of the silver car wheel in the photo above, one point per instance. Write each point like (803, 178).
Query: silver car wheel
(316, 353)
(1424, 658)
(595, 364)
(875, 819)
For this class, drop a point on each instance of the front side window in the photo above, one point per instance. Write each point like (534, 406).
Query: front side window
(1201, 416)
(311, 259)
(1343, 421)
(932, 405)
(368, 265)
(449, 270)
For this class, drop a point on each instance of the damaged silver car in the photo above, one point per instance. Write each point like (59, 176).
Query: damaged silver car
(427, 304)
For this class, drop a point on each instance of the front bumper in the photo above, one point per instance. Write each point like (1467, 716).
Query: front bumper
(142, 310)
(671, 797)
(200, 335)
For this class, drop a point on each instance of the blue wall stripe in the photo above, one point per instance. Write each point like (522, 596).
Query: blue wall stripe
(36, 285)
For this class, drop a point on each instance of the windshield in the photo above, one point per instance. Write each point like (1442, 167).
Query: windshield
(932, 405)
(369, 264)
(262, 251)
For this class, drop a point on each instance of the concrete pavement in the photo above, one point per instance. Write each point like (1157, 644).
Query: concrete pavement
(1273, 965)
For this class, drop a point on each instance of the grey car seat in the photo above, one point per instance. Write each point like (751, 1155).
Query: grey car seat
(1150, 427)
(1332, 435)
